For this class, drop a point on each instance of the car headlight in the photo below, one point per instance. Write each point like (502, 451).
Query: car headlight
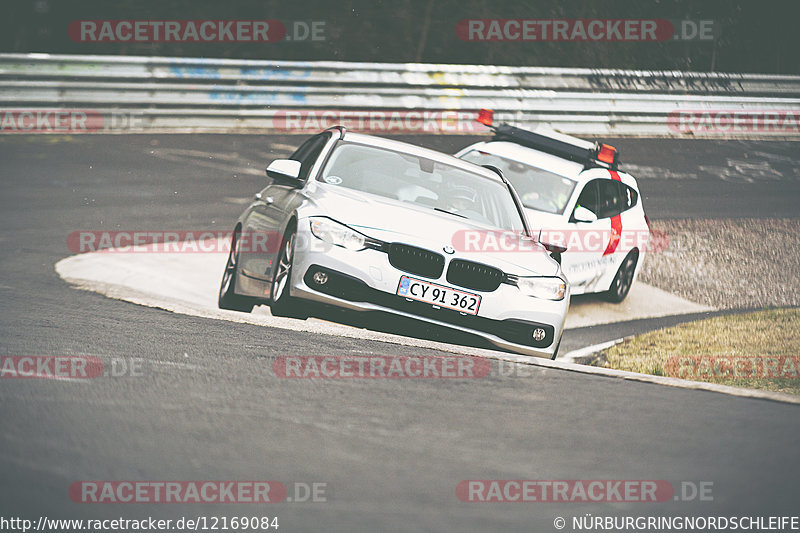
(337, 234)
(547, 288)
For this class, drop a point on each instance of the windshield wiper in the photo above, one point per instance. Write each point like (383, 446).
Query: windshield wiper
(449, 212)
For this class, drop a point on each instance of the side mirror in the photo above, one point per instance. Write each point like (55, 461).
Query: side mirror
(284, 170)
(555, 248)
(582, 214)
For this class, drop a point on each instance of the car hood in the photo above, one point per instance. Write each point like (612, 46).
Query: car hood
(395, 221)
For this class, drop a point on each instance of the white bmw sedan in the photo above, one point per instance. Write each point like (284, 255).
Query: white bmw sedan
(371, 224)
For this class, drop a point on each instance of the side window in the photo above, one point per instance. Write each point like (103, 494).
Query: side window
(308, 153)
(611, 202)
(588, 197)
(607, 198)
(628, 196)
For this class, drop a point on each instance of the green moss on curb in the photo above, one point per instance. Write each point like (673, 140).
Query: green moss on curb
(758, 350)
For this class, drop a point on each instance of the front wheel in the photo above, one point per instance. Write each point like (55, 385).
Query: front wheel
(281, 303)
(555, 352)
(228, 299)
(621, 285)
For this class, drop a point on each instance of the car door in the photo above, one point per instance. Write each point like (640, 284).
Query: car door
(633, 227)
(270, 210)
(584, 262)
(620, 224)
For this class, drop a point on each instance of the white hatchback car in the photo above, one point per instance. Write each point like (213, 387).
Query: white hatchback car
(583, 205)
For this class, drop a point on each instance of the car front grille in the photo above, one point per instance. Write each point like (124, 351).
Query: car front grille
(416, 260)
(352, 289)
(475, 276)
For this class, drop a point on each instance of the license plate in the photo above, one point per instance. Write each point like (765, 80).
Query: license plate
(438, 295)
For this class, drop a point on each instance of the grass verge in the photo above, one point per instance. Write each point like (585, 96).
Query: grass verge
(759, 350)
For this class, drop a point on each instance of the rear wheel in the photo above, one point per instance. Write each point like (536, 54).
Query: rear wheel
(621, 285)
(228, 299)
(281, 303)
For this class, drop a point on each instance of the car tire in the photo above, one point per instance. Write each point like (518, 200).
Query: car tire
(228, 299)
(280, 302)
(555, 352)
(621, 285)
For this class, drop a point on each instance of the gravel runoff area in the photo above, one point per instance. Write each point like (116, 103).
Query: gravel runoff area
(728, 264)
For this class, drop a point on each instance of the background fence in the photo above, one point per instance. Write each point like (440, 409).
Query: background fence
(159, 94)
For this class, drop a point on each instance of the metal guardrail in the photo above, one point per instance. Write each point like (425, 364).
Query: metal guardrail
(126, 93)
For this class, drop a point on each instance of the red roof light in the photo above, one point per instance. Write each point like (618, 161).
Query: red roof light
(606, 154)
(485, 117)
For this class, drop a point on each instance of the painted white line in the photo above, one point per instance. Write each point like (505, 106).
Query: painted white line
(237, 201)
(644, 301)
(282, 147)
(574, 355)
(647, 378)
(192, 279)
(215, 160)
(186, 366)
(187, 284)
(10, 374)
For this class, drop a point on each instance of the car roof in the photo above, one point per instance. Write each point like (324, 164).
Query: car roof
(523, 154)
(419, 151)
(549, 162)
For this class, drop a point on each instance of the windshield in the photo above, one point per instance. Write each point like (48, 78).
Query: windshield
(422, 182)
(538, 189)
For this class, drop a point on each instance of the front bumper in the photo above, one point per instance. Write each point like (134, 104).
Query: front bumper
(366, 281)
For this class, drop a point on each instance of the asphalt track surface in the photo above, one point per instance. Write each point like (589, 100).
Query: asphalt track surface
(391, 452)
